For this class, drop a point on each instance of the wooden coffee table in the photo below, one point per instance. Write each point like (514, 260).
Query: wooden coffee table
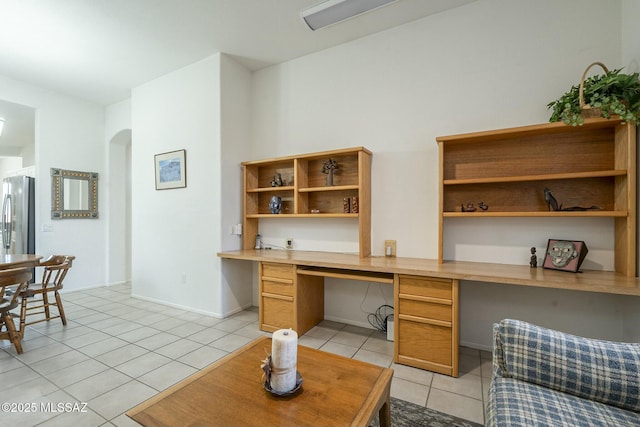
(336, 391)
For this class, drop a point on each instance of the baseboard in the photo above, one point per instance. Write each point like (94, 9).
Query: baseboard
(181, 307)
(349, 322)
(476, 346)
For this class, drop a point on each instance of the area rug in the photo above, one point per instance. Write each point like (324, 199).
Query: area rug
(407, 414)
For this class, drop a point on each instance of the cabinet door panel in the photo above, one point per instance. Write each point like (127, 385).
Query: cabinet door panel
(425, 309)
(426, 342)
(425, 286)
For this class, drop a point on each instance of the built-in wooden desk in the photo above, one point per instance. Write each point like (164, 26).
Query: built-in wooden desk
(425, 294)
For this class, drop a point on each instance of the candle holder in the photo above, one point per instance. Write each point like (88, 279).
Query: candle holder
(267, 368)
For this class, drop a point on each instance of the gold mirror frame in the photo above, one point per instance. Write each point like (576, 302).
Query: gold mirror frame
(57, 194)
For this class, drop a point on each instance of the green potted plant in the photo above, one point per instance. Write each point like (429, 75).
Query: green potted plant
(612, 93)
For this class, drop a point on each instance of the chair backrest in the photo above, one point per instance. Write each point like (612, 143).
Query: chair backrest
(10, 277)
(55, 270)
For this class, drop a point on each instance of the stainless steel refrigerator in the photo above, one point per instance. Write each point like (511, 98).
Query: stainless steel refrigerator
(18, 215)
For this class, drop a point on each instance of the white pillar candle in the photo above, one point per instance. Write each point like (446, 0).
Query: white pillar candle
(284, 360)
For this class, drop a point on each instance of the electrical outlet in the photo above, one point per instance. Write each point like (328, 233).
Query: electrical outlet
(289, 243)
(389, 248)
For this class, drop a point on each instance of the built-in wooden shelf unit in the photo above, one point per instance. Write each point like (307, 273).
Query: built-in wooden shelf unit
(304, 192)
(508, 169)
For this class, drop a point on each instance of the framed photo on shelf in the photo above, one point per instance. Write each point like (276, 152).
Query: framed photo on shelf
(565, 255)
(171, 170)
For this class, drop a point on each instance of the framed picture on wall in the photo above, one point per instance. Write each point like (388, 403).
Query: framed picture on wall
(565, 255)
(171, 170)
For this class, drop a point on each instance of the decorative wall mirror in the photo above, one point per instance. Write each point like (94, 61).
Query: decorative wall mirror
(73, 194)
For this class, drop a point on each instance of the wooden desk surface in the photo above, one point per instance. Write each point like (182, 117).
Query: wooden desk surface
(589, 281)
(18, 260)
(336, 391)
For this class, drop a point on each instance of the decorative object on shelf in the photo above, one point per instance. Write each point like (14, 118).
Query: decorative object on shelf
(258, 241)
(552, 204)
(468, 208)
(565, 255)
(275, 205)
(533, 261)
(277, 180)
(612, 93)
(346, 205)
(328, 167)
(355, 207)
(482, 206)
(315, 211)
(171, 170)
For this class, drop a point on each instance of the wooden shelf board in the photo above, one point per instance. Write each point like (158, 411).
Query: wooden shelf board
(270, 189)
(310, 215)
(556, 214)
(332, 188)
(523, 131)
(318, 155)
(530, 178)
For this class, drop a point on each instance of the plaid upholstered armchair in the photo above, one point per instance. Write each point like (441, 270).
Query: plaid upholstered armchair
(543, 377)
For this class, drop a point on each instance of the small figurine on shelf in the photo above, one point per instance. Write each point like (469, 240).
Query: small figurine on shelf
(355, 206)
(275, 205)
(277, 180)
(328, 166)
(468, 208)
(482, 206)
(552, 203)
(346, 205)
(533, 262)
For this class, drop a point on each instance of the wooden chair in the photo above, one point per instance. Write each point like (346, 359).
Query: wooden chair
(55, 270)
(15, 276)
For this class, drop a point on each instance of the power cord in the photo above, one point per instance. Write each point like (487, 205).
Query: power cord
(379, 319)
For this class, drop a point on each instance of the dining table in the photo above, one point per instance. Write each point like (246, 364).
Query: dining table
(19, 260)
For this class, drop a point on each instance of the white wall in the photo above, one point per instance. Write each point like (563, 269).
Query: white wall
(487, 65)
(235, 116)
(177, 233)
(69, 135)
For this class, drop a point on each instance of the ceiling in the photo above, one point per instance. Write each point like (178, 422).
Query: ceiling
(98, 50)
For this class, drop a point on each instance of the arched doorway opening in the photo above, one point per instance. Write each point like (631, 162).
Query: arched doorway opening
(119, 247)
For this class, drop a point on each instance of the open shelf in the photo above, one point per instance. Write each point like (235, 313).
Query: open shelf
(584, 167)
(305, 192)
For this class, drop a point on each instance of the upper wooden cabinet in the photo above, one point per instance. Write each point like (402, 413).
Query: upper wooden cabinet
(304, 191)
(593, 165)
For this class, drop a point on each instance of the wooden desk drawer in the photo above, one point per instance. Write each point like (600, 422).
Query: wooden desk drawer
(277, 271)
(425, 286)
(277, 314)
(425, 309)
(279, 288)
(421, 341)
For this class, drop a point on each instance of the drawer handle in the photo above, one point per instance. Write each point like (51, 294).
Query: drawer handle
(417, 319)
(425, 299)
(277, 280)
(276, 296)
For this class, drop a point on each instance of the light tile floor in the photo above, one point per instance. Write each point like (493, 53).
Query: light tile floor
(117, 351)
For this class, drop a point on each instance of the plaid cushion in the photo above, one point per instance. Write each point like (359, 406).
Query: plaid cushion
(516, 403)
(603, 371)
